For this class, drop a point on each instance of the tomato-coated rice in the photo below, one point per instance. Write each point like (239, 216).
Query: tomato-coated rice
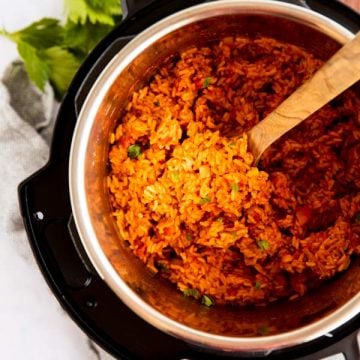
(193, 208)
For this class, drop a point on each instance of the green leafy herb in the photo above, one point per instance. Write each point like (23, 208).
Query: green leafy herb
(206, 82)
(162, 267)
(235, 188)
(263, 330)
(257, 284)
(262, 244)
(232, 144)
(191, 292)
(41, 34)
(175, 176)
(207, 301)
(134, 151)
(220, 220)
(36, 67)
(62, 65)
(94, 11)
(357, 218)
(52, 52)
(82, 38)
(204, 200)
(189, 236)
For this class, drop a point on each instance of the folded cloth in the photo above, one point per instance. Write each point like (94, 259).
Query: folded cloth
(33, 325)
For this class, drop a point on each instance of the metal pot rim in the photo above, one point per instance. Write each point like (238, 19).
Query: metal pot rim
(263, 344)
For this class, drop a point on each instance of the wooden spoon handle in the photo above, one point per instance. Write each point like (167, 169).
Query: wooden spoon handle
(337, 74)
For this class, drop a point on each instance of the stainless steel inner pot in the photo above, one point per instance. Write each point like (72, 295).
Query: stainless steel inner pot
(237, 329)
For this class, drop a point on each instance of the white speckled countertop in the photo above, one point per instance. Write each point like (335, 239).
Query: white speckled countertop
(32, 323)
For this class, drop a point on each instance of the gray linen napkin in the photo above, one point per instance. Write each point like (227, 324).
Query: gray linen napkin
(32, 323)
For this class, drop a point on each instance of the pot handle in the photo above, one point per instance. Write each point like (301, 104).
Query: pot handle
(348, 348)
(46, 223)
(131, 7)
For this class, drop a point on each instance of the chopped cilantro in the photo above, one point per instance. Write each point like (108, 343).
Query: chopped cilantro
(263, 330)
(207, 301)
(235, 188)
(232, 144)
(162, 267)
(191, 292)
(206, 82)
(62, 65)
(189, 237)
(204, 200)
(82, 38)
(357, 218)
(94, 11)
(134, 151)
(175, 176)
(262, 244)
(257, 284)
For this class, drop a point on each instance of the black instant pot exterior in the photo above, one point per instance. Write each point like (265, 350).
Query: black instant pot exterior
(46, 210)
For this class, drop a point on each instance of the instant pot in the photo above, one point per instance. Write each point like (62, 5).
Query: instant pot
(103, 288)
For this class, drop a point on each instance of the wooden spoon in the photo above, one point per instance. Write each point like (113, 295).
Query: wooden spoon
(335, 76)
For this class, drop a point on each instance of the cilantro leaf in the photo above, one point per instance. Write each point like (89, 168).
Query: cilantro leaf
(357, 218)
(207, 301)
(263, 330)
(204, 200)
(83, 38)
(79, 11)
(191, 292)
(189, 236)
(234, 188)
(206, 82)
(52, 52)
(134, 151)
(257, 285)
(162, 267)
(41, 34)
(35, 66)
(262, 244)
(108, 6)
(62, 68)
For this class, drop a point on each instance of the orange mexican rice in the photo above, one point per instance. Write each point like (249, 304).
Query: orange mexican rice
(191, 206)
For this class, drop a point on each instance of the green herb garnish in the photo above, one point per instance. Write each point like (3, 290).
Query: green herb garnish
(204, 200)
(357, 218)
(191, 292)
(207, 301)
(232, 144)
(189, 237)
(220, 220)
(134, 151)
(257, 284)
(206, 82)
(175, 176)
(162, 267)
(263, 330)
(262, 244)
(235, 188)
(52, 52)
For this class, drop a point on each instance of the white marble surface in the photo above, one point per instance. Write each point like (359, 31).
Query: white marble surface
(32, 323)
